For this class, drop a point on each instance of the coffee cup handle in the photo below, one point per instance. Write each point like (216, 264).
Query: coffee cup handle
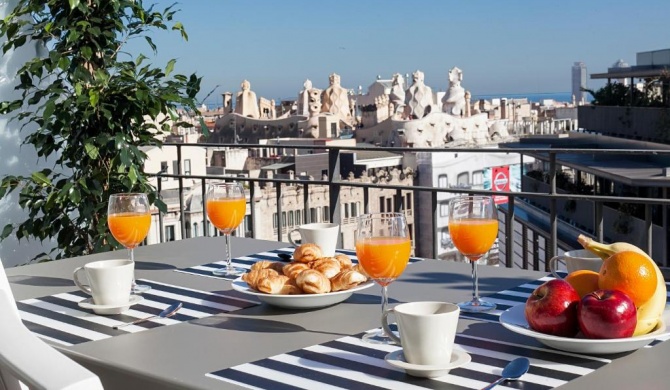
(553, 266)
(291, 238)
(387, 328)
(83, 287)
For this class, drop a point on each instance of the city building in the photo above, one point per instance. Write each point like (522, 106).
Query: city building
(579, 82)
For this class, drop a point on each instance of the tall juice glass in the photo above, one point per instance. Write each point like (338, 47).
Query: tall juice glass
(473, 226)
(129, 219)
(226, 207)
(383, 248)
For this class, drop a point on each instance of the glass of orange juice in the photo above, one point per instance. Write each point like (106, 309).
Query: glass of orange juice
(383, 248)
(473, 226)
(129, 219)
(226, 207)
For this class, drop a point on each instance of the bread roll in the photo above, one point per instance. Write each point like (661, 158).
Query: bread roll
(307, 252)
(328, 266)
(344, 260)
(262, 264)
(293, 269)
(313, 282)
(253, 277)
(346, 280)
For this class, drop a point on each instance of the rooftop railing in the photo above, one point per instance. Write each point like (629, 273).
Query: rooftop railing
(538, 243)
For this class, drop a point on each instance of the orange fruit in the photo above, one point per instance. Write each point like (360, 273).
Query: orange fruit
(583, 280)
(631, 273)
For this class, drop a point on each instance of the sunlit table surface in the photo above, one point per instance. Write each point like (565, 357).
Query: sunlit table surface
(179, 356)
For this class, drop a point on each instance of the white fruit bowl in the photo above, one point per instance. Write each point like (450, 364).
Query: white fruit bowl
(515, 320)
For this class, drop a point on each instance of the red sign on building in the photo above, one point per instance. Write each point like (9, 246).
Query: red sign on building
(500, 181)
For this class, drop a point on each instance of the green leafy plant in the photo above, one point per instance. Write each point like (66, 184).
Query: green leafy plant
(91, 107)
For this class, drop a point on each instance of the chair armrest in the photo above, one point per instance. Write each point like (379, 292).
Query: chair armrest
(34, 362)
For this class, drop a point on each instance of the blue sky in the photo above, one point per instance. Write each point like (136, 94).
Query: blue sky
(503, 47)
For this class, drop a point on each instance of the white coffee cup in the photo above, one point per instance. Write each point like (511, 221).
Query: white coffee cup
(109, 281)
(427, 331)
(322, 234)
(576, 260)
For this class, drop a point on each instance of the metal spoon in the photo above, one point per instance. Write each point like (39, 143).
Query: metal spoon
(512, 371)
(284, 256)
(168, 312)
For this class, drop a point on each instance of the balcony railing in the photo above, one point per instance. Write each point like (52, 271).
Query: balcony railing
(537, 243)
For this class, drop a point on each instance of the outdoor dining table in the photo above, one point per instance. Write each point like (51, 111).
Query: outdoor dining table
(220, 350)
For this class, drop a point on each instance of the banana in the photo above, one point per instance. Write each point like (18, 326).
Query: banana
(649, 313)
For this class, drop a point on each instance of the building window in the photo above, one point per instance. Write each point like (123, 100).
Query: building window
(187, 167)
(346, 210)
(175, 167)
(298, 217)
(283, 219)
(312, 215)
(408, 202)
(326, 213)
(463, 179)
(477, 178)
(290, 218)
(164, 169)
(382, 201)
(442, 181)
(169, 233)
(445, 238)
(247, 226)
(195, 230)
(274, 220)
(444, 209)
(187, 229)
(354, 209)
(389, 205)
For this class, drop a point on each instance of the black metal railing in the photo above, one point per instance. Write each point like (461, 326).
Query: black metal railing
(531, 234)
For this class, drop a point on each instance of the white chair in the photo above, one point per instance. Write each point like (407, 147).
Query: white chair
(27, 362)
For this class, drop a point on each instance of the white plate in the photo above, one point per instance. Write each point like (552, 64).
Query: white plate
(397, 359)
(515, 320)
(109, 309)
(300, 301)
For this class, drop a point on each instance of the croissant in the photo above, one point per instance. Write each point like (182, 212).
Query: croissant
(344, 260)
(359, 268)
(294, 268)
(346, 280)
(253, 277)
(262, 264)
(313, 282)
(290, 288)
(307, 252)
(328, 266)
(272, 284)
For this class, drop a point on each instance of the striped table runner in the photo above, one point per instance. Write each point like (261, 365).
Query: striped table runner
(247, 261)
(350, 363)
(59, 318)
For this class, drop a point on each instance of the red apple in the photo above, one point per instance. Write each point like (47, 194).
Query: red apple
(607, 314)
(552, 309)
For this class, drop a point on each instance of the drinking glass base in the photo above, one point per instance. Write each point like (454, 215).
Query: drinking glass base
(377, 338)
(140, 288)
(229, 271)
(476, 306)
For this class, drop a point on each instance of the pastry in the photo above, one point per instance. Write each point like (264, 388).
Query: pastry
(290, 288)
(307, 252)
(253, 277)
(275, 265)
(360, 269)
(346, 280)
(313, 282)
(328, 266)
(272, 284)
(293, 269)
(344, 260)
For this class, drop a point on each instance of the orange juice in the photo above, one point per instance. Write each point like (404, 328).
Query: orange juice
(473, 237)
(129, 229)
(383, 258)
(226, 213)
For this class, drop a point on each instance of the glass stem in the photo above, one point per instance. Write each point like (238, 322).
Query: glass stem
(475, 282)
(385, 302)
(229, 260)
(131, 256)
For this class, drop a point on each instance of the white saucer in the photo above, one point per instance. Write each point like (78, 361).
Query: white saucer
(397, 359)
(109, 309)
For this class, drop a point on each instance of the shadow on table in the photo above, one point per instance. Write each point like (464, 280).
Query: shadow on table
(42, 281)
(255, 325)
(152, 266)
(464, 282)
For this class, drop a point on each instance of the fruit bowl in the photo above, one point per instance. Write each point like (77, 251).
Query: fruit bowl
(515, 320)
(301, 301)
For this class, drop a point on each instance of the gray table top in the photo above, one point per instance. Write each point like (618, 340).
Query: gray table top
(179, 356)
